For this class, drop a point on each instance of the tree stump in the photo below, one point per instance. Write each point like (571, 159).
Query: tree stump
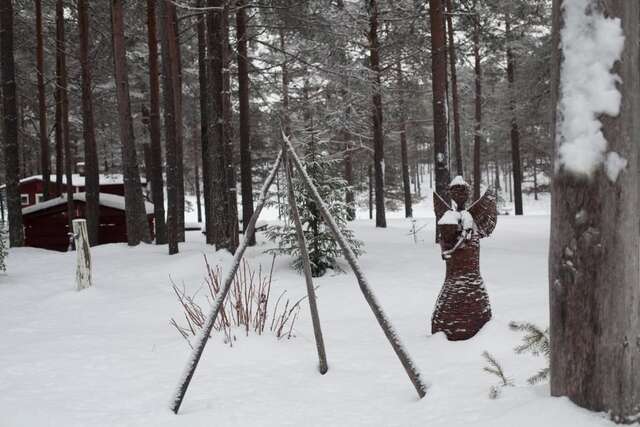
(83, 267)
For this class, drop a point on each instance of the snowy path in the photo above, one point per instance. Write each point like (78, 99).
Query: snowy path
(108, 357)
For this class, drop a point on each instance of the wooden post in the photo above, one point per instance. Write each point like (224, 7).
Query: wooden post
(382, 319)
(203, 337)
(83, 268)
(306, 264)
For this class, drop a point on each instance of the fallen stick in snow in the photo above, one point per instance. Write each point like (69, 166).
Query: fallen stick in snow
(306, 264)
(382, 319)
(201, 342)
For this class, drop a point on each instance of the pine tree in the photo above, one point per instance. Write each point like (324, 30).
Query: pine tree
(324, 251)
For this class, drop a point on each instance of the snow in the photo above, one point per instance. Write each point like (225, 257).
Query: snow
(591, 44)
(109, 200)
(458, 180)
(450, 218)
(78, 180)
(108, 356)
(613, 165)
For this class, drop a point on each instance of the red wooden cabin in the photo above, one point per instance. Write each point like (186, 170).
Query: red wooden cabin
(46, 224)
(31, 188)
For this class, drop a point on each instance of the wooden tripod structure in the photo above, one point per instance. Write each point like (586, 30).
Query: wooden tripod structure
(383, 321)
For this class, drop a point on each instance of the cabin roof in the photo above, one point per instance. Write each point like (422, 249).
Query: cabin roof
(78, 180)
(108, 200)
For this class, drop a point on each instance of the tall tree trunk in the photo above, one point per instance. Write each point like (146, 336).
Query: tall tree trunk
(206, 152)
(378, 134)
(195, 140)
(216, 122)
(406, 182)
(594, 263)
(10, 122)
(439, 83)
(477, 134)
(245, 118)
(59, 128)
(91, 164)
(454, 90)
(157, 180)
(61, 60)
(45, 162)
(168, 42)
(515, 132)
(231, 199)
(135, 212)
(370, 180)
(171, 9)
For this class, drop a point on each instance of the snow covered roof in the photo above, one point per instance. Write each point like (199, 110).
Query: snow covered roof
(458, 180)
(109, 200)
(78, 180)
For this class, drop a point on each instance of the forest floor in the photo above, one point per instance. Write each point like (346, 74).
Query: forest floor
(107, 356)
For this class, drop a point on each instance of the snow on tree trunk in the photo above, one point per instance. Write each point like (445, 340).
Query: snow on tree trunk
(83, 268)
(381, 317)
(594, 263)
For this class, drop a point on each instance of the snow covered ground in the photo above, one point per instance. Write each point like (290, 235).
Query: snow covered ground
(107, 356)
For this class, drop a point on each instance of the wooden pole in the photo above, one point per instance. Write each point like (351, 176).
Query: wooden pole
(83, 268)
(228, 280)
(306, 264)
(382, 319)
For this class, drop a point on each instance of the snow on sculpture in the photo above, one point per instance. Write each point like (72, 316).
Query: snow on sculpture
(463, 305)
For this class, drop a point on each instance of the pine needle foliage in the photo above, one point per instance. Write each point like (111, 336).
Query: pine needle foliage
(324, 251)
(536, 342)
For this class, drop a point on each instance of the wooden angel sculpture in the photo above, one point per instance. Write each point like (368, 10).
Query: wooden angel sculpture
(463, 305)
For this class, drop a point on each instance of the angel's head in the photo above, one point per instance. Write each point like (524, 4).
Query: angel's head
(459, 192)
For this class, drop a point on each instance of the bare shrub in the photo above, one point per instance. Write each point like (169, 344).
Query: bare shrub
(246, 308)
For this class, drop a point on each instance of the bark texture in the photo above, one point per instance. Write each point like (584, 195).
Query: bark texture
(157, 180)
(594, 265)
(245, 119)
(169, 86)
(439, 83)
(91, 165)
(10, 124)
(45, 161)
(515, 131)
(477, 132)
(376, 101)
(135, 213)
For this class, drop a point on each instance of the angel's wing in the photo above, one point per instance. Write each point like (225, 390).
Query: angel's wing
(439, 206)
(485, 213)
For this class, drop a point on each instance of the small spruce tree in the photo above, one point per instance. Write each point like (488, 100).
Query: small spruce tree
(3, 247)
(324, 171)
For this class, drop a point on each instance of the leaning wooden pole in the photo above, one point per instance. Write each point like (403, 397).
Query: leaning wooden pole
(382, 319)
(306, 264)
(228, 280)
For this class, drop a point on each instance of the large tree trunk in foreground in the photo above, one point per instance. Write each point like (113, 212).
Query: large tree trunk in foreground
(439, 83)
(169, 86)
(515, 131)
(245, 117)
(136, 217)
(157, 180)
(91, 165)
(45, 162)
(378, 134)
(594, 265)
(10, 124)
(477, 132)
